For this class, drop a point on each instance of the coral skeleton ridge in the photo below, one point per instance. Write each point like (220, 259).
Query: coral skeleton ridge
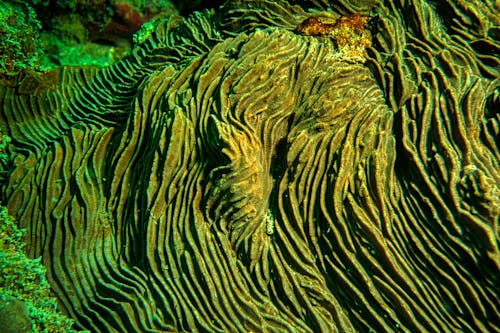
(270, 166)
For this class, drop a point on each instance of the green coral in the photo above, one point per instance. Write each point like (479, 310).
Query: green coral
(144, 32)
(4, 140)
(24, 290)
(67, 44)
(19, 39)
(5, 161)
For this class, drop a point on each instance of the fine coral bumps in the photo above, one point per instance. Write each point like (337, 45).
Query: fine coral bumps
(19, 42)
(25, 305)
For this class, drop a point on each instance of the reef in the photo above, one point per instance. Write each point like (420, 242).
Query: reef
(19, 38)
(265, 166)
(25, 301)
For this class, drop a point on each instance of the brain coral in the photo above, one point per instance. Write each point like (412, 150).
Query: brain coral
(233, 175)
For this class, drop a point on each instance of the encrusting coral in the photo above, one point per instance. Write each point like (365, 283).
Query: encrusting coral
(240, 171)
(25, 304)
(19, 38)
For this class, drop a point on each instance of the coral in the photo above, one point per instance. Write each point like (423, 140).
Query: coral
(25, 304)
(19, 39)
(95, 33)
(68, 44)
(236, 174)
(77, 32)
(347, 32)
(131, 15)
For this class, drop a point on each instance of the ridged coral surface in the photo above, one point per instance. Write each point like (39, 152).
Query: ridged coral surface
(234, 175)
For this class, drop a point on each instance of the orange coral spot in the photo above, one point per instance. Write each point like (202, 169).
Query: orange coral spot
(312, 26)
(354, 21)
(325, 24)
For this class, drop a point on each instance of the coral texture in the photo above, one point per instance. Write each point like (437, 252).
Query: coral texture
(25, 304)
(236, 173)
(19, 40)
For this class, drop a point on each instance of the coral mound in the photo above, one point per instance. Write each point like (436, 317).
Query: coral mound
(236, 173)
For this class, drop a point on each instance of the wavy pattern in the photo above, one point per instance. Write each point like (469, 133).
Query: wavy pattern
(233, 176)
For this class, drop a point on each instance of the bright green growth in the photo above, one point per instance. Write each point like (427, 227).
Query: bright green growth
(144, 32)
(19, 43)
(4, 140)
(4, 157)
(66, 52)
(24, 290)
(67, 44)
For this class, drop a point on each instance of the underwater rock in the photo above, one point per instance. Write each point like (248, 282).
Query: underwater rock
(14, 316)
(235, 174)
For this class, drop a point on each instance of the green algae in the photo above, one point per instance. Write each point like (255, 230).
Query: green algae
(24, 290)
(20, 46)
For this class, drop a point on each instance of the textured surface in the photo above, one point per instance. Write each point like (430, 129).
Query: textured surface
(232, 175)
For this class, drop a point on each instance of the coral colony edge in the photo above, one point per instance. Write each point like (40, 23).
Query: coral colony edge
(265, 166)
